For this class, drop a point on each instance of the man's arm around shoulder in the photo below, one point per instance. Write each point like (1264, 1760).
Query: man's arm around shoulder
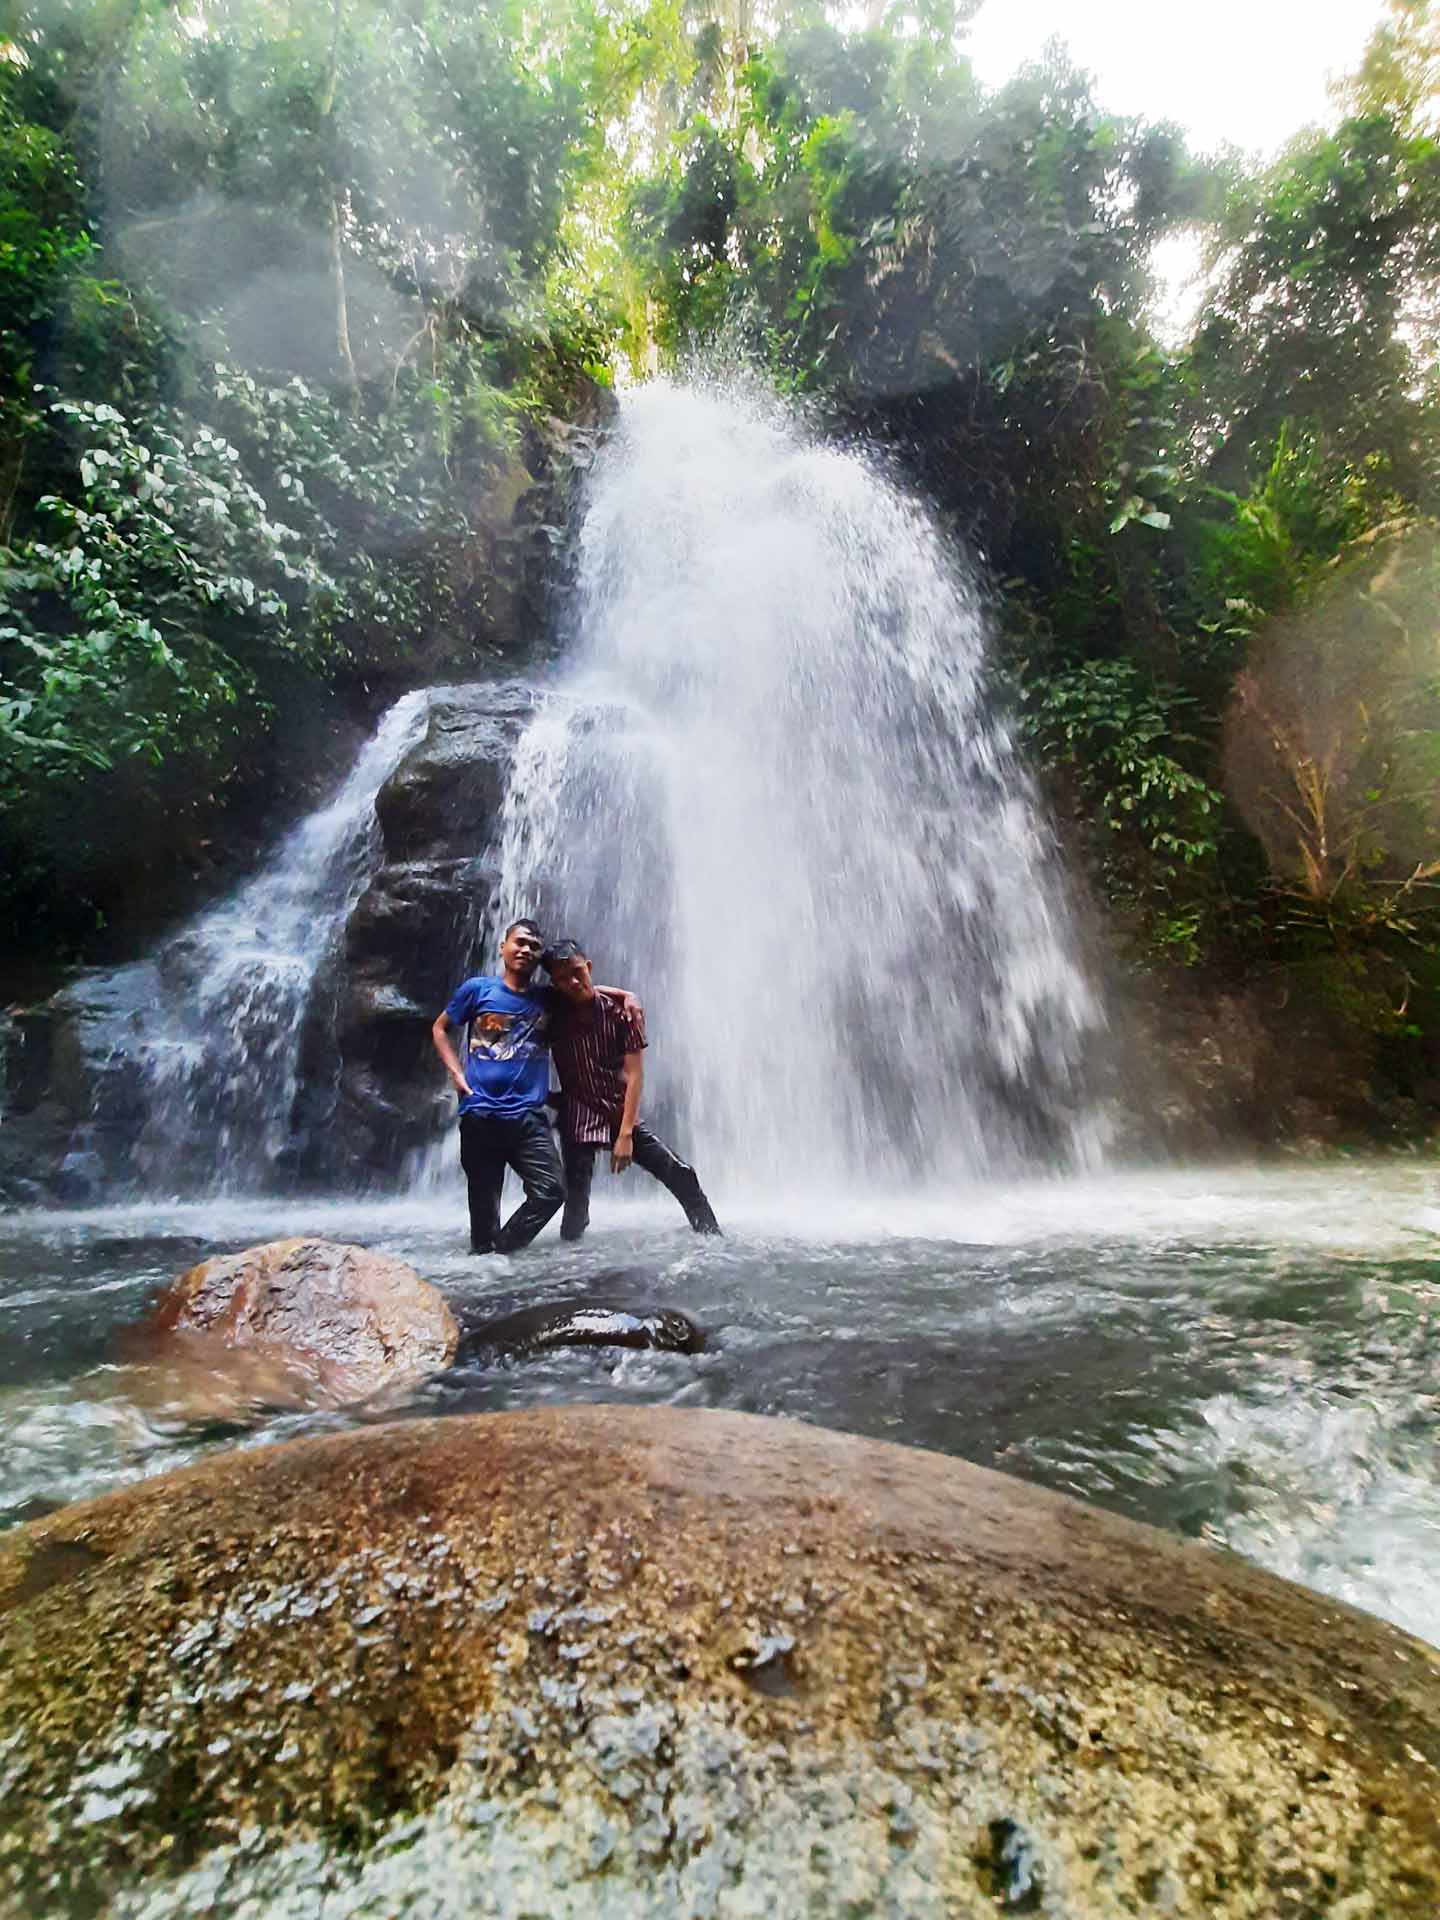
(626, 999)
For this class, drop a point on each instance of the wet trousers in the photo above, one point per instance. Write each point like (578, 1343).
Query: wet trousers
(655, 1157)
(489, 1143)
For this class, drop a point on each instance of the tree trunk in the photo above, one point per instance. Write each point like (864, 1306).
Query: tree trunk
(343, 351)
(342, 303)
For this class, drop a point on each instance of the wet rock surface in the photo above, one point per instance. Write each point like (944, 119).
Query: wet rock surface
(70, 1107)
(597, 1661)
(444, 794)
(408, 938)
(582, 1323)
(1244, 1065)
(368, 1090)
(295, 1322)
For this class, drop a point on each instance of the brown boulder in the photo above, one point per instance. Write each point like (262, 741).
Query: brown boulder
(604, 1661)
(296, 1322)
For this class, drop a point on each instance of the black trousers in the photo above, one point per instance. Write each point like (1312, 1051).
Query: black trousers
(488, 1145)
(655, 1157)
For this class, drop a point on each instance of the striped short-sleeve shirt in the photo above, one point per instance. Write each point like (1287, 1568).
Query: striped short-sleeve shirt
(588, 1047)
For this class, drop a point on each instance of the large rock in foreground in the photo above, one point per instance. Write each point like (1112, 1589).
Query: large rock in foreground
(603, 1661)
(295, 1322)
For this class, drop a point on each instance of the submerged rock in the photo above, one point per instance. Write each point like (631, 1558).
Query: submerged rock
(583, 1323)
(295, 1322)
(606, 1661)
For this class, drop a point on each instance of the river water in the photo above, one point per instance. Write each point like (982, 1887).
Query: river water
(1249, 1357)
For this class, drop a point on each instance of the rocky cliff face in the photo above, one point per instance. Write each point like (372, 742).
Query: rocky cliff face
(1208, 1066)
(84, 1072)
(413, 934)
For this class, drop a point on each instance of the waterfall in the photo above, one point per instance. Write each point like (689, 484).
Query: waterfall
(771, 796)
(769, 793)
(204, 1038)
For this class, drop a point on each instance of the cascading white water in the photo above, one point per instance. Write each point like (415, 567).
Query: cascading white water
(769, 795)
(771, 798)
(208, 1031)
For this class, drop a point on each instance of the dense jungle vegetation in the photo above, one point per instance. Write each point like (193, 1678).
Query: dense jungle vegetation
(291, 292)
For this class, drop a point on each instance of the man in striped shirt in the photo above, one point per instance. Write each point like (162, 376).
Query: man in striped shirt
(596, 1044)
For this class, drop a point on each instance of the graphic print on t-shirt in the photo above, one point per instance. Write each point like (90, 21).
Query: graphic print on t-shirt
(507, 1046)
(507, 1036)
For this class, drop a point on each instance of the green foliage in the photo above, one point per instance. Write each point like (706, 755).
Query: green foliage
(301, 281)
(1332, 740)
(42, 237)
(1399, 72)
(1248, 557)
(1118, 728)
(1297, 518)
(679, 223)
(439, 141)
(108, 646)
(284, 275)
(1122, 738)
(1324, 313)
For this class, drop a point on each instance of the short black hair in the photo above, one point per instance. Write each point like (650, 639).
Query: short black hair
(531, 924)
(559, 951)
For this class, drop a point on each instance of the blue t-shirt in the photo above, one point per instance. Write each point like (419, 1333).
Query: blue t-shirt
(506, 1057)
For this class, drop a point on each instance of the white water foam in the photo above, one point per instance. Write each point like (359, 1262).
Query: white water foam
(772, 798)
(206, 1034)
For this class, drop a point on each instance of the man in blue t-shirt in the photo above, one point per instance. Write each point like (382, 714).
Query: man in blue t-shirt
(502, 1087)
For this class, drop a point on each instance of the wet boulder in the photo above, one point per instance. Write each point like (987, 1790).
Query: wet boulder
(408, 938)
(70, 1108)
(295, 1322)
(532, 1330)
(625, 1661)
(441, 800)
(80, 1175)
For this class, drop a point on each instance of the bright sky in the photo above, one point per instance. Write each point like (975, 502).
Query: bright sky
(1247, 71)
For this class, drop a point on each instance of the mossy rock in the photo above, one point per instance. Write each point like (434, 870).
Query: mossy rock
(604, 1661)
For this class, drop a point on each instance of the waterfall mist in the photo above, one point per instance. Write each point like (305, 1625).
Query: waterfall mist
(770, 796)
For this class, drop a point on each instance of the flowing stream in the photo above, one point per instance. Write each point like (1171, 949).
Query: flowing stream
(1243, 1356)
